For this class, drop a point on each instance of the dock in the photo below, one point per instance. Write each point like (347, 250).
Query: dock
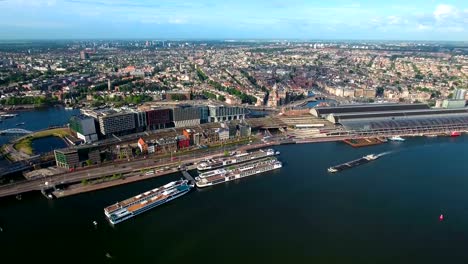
(188, 176)
(363, 142)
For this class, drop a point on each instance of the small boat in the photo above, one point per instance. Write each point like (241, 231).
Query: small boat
(441, 217)
(20, 124)
(396, 138)
(94, 223)
(6, 116)
(108, 255)
(431, 136)
(455, 134)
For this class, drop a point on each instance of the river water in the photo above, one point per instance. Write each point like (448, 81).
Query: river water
(37, 119)
(386, 211)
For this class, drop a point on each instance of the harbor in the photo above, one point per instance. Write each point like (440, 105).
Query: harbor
(371, 202)
(150, 199)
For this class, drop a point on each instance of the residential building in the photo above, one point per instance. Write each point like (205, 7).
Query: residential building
(167, 145)
(142, 146)
(158, 118)
(226, 113)
(452, 104)
(113, 122)
(67, 159)
(245, 130)
(459, 94)
(140, 120)
(223, 134)
(183, 142)
(185, 116)
(204, 114)
(74, 158)
(84, 127)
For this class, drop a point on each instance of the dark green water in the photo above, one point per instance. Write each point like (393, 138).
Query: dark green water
(46, 144)
(382, 212)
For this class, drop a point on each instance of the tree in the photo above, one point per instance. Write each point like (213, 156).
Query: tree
(178, 97)
(380, 91)
(89, 162)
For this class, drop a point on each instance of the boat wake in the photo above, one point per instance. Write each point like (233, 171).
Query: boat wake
(384, 153)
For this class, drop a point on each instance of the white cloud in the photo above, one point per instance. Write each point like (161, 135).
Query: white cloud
(34, 3)
(177, 21)
(163, 20)
(421, 27)
(394, 20)
(443, 11)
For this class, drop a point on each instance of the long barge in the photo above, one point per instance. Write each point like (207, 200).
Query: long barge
(138, 204)
(228, 174)
(235, 159)
(353, 163)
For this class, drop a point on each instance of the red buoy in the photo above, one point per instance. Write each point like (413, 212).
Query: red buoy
(441, 217)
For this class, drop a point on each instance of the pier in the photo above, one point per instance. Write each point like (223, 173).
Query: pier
(188, 176)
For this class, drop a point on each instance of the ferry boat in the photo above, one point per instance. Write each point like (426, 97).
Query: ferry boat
(6, 116)
(238, 158)
(353, 163)
(225, 175)
(128, 208)
(396, 138)
(455, 134)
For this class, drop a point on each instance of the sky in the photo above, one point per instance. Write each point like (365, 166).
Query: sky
(235, 19)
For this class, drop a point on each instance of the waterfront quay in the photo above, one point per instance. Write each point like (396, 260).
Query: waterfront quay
(135, 170)
(81, 180)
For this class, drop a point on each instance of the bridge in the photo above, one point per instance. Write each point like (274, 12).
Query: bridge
(15, 131)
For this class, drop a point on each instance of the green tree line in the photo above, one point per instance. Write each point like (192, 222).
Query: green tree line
(27, 100)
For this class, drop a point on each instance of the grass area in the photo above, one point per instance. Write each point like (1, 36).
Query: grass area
(25, 144)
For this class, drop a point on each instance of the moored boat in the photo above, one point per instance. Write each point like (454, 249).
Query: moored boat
(241, 171)
(396, 138)
(235, 159)
(138, 204)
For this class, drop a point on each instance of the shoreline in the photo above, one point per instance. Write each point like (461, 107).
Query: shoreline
(135, 170)
(79, 188)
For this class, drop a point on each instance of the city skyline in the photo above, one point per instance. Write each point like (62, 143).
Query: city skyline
(84, 19)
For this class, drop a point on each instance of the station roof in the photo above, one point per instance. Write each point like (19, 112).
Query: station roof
(366, 108)
(338, 118)
(383, 123)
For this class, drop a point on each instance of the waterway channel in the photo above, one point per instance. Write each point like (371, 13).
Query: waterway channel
(386, 211)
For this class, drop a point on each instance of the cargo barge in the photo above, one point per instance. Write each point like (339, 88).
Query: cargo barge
(236, 172)
(235, 159)
(353, 163)
(128, 208)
